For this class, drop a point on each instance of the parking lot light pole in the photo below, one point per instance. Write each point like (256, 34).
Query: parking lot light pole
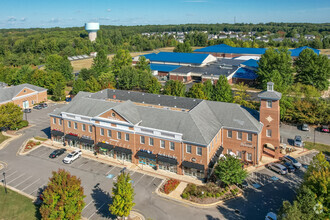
(4, 181)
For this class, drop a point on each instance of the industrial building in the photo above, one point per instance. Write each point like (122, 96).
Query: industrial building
(177, 134)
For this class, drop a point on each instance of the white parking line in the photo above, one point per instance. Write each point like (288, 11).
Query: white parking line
(151, 181)
(110, 170)
(37, 189)
(11, 174)
(30, 184)
(82, 164)
(16, 178)
(138, 180)
(23, 181)
(96, 210)
(87, 205)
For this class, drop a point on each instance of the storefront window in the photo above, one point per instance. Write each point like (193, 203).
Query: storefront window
(124, 156)
(147, 161)
(88, 147)
(193, 172)
(167, 166)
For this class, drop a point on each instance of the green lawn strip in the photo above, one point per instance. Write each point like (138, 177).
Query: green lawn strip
(3, 138)
(320, 147)
(40, 138)
(16, 206)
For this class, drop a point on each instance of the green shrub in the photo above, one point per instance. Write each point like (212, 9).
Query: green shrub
(217, 195)
(20, 125)
(184, 195)
(227, 188)
(209, 194)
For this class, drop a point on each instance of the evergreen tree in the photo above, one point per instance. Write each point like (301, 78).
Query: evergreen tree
(143, 64)
(276, 66)
(59, 93)
(127, 78)
(174, 88)
(92, 85)
(222, 90)
(208, 89)
(78, 85)
(154, 86)
(101, 63)
(183, 47)
(120, 60)
(313, 69)
(63, 197)
(123, 196)
(107, 80)
(197, 91)
(85, 74)
(60, 64)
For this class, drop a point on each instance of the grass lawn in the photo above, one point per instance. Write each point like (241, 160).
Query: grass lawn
(16, 206)
(3, 138)
(40, 138)
(321, 147)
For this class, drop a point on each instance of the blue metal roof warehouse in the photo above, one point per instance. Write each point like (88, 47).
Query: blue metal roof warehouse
(171, 57)
(163, 67)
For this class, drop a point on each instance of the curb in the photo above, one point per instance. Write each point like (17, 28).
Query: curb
(137, 214)
(11, 138)
(187, 202)
(20, 192)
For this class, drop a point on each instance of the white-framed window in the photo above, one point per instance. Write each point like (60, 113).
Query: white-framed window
(151, 141)
(127, 137)
(172, 147)
(268, 133)
(229, 134)
(54, 121)
(109, 133)
(239, 154)
(32, 102)
(199, 151)
(75, 125)
(249, 156)
(188, 149)
(69, 124)
(249, 136)
(102, 131)
(90, 129)
(119, 135)
(162, 144)
(83, 127)
(60, 121)
(229, 151)
(239, 135)
(269, 104)
(142, 140)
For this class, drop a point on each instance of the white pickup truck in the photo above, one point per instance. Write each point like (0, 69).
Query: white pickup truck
(72, 156)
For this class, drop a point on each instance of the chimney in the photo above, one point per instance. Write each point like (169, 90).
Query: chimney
(114, 96)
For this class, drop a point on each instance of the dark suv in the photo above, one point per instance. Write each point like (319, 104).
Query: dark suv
(57, 153)
(43, 105)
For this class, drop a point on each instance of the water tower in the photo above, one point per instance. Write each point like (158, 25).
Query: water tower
(92, 28)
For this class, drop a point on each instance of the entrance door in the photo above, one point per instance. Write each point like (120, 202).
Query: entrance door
(25, 104)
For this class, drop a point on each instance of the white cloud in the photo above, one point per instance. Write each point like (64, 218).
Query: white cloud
(23, 19)
(109, 9)
(12, 19)
(54, 20)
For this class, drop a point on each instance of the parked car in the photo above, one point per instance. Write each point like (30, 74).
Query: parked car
(279, 168)
(304, 127)
(243, 185)
(27, 110)
(57, 153)
(292, 160)
(37, 107)
(298, 141)
(325, 128)
(271, 216)
(43, 105)
(72, 156)
(289, 166)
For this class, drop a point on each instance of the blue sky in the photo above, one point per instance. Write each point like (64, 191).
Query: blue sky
(69, 13)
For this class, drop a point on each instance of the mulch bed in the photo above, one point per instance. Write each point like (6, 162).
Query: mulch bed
(30, 145)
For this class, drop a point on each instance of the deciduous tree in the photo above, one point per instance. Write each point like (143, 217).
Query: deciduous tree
(63, 197)
(222, 91)
(10, 115)
(123, 196)
(197, 91)
(59, 64)
(208, 89)
(241, 96)
(229, 170)
(154, 86)
(120, 60)
(174, 88)
(101, 63)
(78, 85)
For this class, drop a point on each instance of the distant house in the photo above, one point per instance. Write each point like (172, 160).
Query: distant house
(309, 37)
(24, 95)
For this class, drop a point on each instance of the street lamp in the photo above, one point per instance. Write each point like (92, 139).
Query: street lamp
(4, 181)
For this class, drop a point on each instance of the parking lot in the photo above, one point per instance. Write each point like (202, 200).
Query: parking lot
(266, 176)
(97, 180)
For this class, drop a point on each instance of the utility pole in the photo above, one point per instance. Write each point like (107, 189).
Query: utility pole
(4, 181)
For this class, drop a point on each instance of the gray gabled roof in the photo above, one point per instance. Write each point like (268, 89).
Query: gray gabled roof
(270, 95)
(8, 93)
(199, 125)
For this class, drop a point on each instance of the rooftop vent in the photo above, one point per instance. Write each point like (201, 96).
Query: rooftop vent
(129, 92)
(174, 97)
(142, 93)
(158, 95)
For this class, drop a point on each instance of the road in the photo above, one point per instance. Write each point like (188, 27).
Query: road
(30, 173)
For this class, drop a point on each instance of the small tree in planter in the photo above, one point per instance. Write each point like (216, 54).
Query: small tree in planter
(229, 170)
(123, 196)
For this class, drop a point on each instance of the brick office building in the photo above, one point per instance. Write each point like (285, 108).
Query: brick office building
(24, 95)
(177, 134)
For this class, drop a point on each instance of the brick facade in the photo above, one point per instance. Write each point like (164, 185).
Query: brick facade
(29, 95)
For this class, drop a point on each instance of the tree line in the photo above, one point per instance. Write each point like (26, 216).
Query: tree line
(32, 46)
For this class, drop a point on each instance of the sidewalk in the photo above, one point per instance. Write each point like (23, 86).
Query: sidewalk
(130, 166)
